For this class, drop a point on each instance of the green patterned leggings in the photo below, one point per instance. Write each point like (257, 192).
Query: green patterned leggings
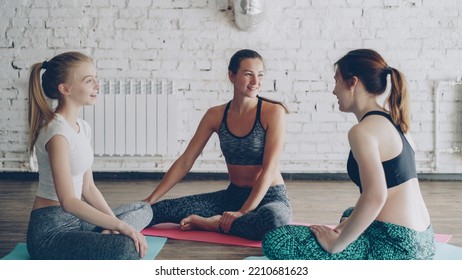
(380, 241)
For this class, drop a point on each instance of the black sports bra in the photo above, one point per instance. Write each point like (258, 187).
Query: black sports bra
(397, 170)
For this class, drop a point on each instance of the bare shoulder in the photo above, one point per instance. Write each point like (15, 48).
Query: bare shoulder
(216, 111)
(273, 106)
(377, 123)
(214, 116)
(355, 132)
(271, 110)
(272, 114)
(361, 135)
(373, 125)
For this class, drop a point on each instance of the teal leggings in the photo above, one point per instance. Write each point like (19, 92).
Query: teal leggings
(380, 241)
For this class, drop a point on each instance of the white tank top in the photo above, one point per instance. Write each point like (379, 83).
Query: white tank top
(81, 155)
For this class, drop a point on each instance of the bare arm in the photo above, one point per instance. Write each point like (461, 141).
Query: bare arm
(184, 163)
(274, 144)
(93, 196)
(365, 150)
(58, 150)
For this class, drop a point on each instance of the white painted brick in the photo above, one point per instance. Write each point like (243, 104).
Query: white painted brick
(133, 13)
(139, 3)
(144, 64)
(323, 148)
(191, 42)
(291, 148)
(125, 23)
(202, 3)
(113, 44)
(61, 22)
(329, 117)
(181, 3)
(94, 3)
(435, 3)
(115, 3)
(105, 13)
(294, 127)
(112, 63)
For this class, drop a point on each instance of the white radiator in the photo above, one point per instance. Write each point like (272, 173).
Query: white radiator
(133, 118)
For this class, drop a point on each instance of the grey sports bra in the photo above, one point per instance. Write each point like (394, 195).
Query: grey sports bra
(246, 150)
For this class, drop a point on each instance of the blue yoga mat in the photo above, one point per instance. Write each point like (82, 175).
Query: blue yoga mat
(444, 251)
(155, 244)
(19, 253)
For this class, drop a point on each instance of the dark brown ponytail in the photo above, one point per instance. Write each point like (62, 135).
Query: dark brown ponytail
(398, 100)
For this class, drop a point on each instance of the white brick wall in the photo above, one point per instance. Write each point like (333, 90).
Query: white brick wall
(190, 42)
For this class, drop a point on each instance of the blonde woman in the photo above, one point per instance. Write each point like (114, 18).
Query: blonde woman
(70, 219)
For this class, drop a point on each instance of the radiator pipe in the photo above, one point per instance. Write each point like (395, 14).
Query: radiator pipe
(439, 84)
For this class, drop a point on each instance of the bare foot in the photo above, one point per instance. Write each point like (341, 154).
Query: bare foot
(197, 222)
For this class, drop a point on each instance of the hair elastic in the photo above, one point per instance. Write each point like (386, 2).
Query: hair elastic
(45, 65)
(389, 70)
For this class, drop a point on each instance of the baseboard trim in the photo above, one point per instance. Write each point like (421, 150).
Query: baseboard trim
(203, 176)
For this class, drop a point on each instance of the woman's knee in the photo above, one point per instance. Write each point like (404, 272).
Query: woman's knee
(146, 212)
(123, 249)
(276, 215)
(291, 242)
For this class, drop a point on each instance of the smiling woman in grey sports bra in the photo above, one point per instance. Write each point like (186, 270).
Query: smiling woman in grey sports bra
(251, 132)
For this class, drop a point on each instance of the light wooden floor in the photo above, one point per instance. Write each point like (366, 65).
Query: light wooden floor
(316, 202)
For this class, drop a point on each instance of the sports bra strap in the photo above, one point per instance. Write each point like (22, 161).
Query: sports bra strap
(259, 108)
(386, 115)
(225, 115)
(376, 113)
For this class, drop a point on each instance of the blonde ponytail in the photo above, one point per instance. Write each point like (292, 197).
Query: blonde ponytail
(40, 112)
(57, 71)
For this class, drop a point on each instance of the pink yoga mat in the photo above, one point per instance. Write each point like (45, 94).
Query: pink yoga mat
(173, 231)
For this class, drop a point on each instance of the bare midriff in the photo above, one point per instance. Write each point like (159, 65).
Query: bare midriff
(41, 202)
(247, 175)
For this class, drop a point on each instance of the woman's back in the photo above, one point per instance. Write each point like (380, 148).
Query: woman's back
(404, 205)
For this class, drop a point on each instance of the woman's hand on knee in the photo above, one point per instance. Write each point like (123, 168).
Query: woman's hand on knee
(326, 237)
(227, 220)
(138, 238)
(140, 243)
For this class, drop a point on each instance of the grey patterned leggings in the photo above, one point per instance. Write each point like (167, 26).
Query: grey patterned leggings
(273, 211)
(54, 234)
